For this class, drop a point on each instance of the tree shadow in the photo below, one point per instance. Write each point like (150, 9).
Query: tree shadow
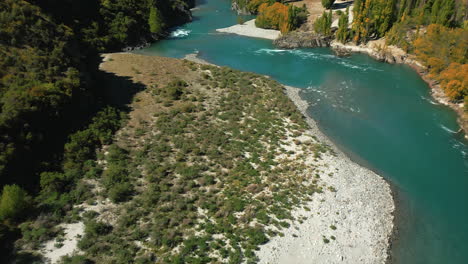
(118, 91)
(28, 258)
(46, 155)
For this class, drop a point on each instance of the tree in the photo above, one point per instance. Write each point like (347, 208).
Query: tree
(342, 33)
(297, 16)
(13, 202)
(454, 81)
(323, 24)
(155, 21)
(274, 16)
(327, 3)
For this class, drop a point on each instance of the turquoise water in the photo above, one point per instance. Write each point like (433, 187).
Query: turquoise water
(380, 114)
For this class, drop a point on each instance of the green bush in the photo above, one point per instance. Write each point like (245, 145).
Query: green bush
(120, 192)
(76, 259)
(14, 202)
(175, 89)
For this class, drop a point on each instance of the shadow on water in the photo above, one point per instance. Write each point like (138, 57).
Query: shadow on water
(342, 5)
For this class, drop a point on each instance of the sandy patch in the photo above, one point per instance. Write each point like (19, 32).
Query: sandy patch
(69, 243)
(250, 30)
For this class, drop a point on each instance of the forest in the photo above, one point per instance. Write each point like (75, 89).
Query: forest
(52, 110)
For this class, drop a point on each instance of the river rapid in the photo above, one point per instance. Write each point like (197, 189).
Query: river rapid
(381, 115)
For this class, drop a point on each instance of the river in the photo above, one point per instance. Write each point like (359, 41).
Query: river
(382, 115)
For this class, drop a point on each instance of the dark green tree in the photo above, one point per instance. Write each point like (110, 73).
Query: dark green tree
(323, 24)
(342, 34)
(327, 3)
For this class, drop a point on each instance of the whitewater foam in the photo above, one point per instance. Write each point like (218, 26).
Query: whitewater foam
(180, 33)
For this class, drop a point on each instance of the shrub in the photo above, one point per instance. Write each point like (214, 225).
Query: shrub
(120, 192)
(175, 89)
(13, 202)
(93, 230)
(257, 236)
(76, 259)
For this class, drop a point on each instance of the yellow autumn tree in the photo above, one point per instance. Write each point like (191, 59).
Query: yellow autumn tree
(454, 81)
(274, 16)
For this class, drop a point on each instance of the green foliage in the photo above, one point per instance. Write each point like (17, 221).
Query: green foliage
(93, 230)
(442, 12)
(175, 89)
(155, 21)
(35, 234)
(327, 3)
(14, 201)
(38, 79)
(397, 35)
(50, 53)
(257, 236)
(76, 259)
(275, 15)
(253, 5)
(297, 16)
(373, 18)
(191, 175)
(342, 34)
(82, 144)
(49, 87)
(120, 192)
(323, 24)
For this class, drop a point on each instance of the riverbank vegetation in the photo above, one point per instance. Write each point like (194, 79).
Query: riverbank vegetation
(204, 171)
(50, 90)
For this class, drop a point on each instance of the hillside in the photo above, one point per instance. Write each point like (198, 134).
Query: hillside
(51, 89)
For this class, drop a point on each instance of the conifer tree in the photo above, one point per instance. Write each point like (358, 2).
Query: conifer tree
(327, 3)
(342, 33)
(323, 24)
(446, 12)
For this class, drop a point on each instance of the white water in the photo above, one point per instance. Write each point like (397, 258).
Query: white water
(180, 33)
